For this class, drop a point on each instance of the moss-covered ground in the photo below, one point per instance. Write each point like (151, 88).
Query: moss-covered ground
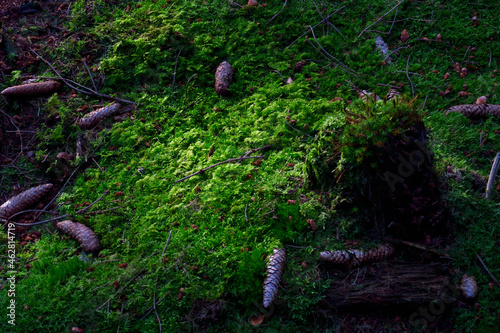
(320, 159)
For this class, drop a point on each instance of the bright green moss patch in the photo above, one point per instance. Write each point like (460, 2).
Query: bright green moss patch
(322, 160)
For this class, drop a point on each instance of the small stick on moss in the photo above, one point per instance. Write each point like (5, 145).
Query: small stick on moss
(148, 310)
(272, 18)
(79, 212)
(381, 17)
(89, 92)
(486, 268)
(154, 304)
(90, 74)
(166, 244)
(493, 175)
(18, 130)
(246, 217)
(323, 20)
(341, 65)
(119, 291)
(175, 67)
(394, 20)
(408, 76)
(238, 159)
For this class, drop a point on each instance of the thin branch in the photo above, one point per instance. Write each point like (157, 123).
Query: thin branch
(89, 92)
(79, 212)
(466, 51)
(119, 291)
(298, 130)
(246, 217)
(175, 67)
(90, 74)
(166, 244)
(272, 18)
(20, 136)
(423, 106)
(399, 48)
(346, 69)
(394, 20)
(151, 308)
(214, 165)
(486, 268)
(408, 76)
(493, 175)
(489, 63)
(276, 71)
(381, 17)
(154, 305)
(326, 18)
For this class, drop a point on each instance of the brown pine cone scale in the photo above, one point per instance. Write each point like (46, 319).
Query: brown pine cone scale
(275, 267)
(80, 232)
(476, 110)
(32, 89)
(94, 117)
(223, 78)
(358, 257)
(24, 200)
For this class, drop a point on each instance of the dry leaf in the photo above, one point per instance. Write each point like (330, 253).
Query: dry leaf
(446, 76)
(404, 35)
(256, 321)
(463, 94)
(116, 284)
(312, 224)
(252, 3)
(124, 265)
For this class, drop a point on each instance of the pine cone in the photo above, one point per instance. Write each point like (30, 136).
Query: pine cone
(367, 96)
(469, 286)
(273, 278)
(392, 94)
(223, 78)
(336, 257)
(23, 200)
(32, 89)
(83, 234)
(94, 117)
(299, 66)
(476, 110)
(357, 257)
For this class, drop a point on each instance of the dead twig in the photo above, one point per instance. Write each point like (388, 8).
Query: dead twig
(119, 291)
(238, 159)
(151, 308)
(175, 67)
(394, 20)
(272, 18)
(326, 18)
(166, 244)
(486, 268)
(89, 92)
(381, 17)
(20, 136)
(246, 217)
(154, 305)
(408, 76)
(90, 74)
(79, 212)
(341, 65)
(493, 175)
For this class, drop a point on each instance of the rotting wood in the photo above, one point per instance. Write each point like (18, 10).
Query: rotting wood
(391, 283)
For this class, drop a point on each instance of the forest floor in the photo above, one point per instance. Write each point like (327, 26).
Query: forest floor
(189, 191)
